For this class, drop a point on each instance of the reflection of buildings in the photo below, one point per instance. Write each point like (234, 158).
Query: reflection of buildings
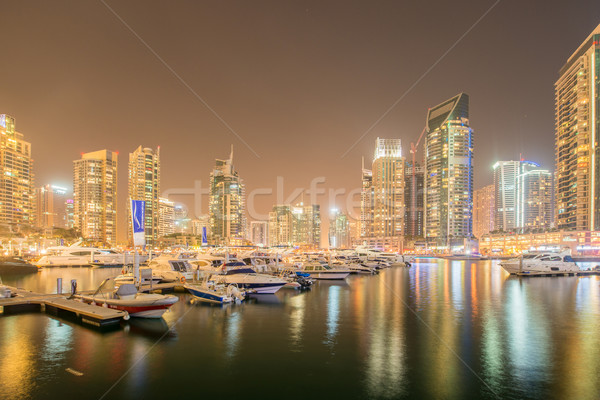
(449, 172)
(95, 196)
(577, 114)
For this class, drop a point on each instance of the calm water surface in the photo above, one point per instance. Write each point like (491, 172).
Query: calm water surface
(440, 330)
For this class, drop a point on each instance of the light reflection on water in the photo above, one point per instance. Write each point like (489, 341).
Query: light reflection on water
(396, 335)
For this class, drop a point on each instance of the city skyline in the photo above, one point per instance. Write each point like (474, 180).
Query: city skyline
(194, 139)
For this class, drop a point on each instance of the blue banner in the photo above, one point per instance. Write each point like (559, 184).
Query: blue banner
(204, 236)
(138, 216)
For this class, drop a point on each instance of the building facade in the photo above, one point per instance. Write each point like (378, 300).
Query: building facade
(339, 230)
(227, 204)
(449, 172)
(95, 196)
(367, 202)
(144, 184)
(535, 202)
(51, 207)
(414, 191)
(280, 225)
(16, 177)
(166, 217)
(577, 177)
(259, 233)
(484, 205)
(306, 225)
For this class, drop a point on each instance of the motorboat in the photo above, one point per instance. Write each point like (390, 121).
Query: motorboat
(5, 291)
(370, 254)
(171, 270)
(75, 255)
(246, 278)
(541, 263)
(210, 291)
(322, 271)
(126, 297)
(16, 265)
(295, 279)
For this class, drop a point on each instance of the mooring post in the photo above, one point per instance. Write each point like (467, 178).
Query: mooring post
(59, 285)
(73, 286)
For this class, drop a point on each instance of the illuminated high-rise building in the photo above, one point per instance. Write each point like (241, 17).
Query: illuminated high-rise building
(144, 184)
(227, 204)
(449, 172)
(259, 233)
(484, 206)
(16, 177)
(577, 180)
(382, 195)
(95, 196)
(414, 191)
(166, 217)
(535, 202)
(280, 225)
(505, 187)
(339, 230)
(51, 207)
(306, 225)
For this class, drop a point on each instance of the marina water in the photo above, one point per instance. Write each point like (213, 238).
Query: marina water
(441, 329)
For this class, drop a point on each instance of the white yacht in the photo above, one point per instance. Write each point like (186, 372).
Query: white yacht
(246, 278)
(369, 254)
(171, 270)
(323, 271)
(541, 263)
(75, 255)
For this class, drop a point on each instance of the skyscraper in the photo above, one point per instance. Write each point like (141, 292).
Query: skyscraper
(505, 188)
(449, 172)
(16, 177)
(280, 225)
(95, 196)
(306, 225)
(535, 202)
(166, 217)
(144, 184)
(414, 190)
(51, 207)
(227, 204)
(339, 230)
(577, 125)
(484, 206)
(367, 197)
(259, 233)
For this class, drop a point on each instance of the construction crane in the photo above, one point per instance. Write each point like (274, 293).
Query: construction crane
(413, 192)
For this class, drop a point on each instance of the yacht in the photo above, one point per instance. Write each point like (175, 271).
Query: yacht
(369, 254)
(323, 271)
(171, 270)
(541, 263)
(75, 255)
(246, 278)
(16, 265)
(207, 290)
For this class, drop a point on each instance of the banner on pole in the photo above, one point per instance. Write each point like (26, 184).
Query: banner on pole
(138, 216)
(204, 236)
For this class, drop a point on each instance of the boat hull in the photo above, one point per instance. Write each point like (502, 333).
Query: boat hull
(329, 275)
(155, 309)
(209, 296)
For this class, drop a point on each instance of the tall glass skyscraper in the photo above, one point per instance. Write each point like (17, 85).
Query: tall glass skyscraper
(227, 204)
(577, 179)
(449, 173)
(144, 184)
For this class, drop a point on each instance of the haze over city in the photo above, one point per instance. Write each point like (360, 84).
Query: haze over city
(300, 83)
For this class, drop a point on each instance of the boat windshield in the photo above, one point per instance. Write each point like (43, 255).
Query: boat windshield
(529, 256)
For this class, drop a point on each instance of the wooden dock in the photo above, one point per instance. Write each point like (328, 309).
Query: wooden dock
(58, 304)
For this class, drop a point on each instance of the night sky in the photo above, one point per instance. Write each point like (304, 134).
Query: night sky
(300, 82)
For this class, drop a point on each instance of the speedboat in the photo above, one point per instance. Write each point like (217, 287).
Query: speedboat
(171, 270)
(212, 292)
(393, 259)
(127, 298)
(541, 263)
(323, 271)
(16, 265)
(247, 278)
